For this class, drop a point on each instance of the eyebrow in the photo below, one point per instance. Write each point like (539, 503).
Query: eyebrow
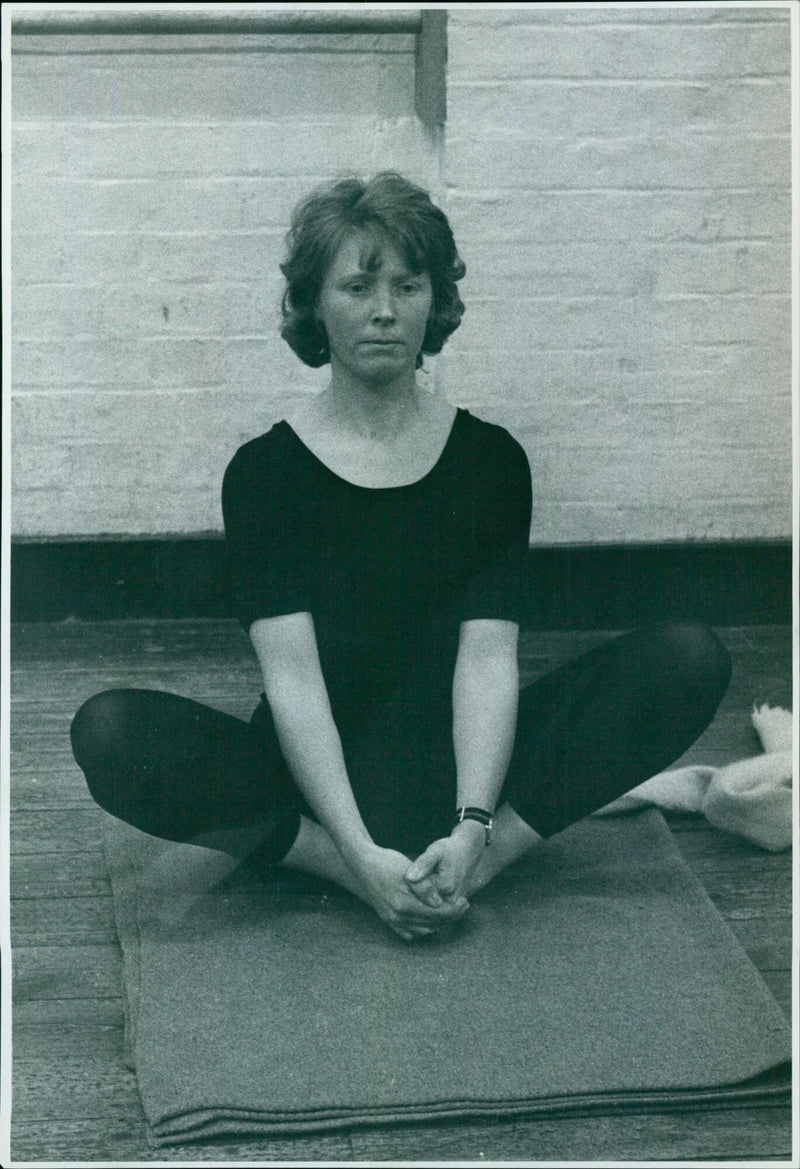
(359, 273)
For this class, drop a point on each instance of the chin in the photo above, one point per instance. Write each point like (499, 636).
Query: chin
(383, 370)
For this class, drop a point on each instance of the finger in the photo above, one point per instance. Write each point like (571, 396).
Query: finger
(457, 908)
(414, 921)
(410, 933)
(446, 880)
(426, 892)
(424, 865)
(402, 929)
(434, 918)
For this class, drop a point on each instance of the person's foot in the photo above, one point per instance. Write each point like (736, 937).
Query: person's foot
(314, 852)
(511, 839)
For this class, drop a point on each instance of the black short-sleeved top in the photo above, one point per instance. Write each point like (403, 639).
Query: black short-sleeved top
(388, 574)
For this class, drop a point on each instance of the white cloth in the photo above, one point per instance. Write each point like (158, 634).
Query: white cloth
(752, 798)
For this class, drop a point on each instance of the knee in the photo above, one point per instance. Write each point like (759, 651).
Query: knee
(99, 725)
(98, 733)
(694, 657)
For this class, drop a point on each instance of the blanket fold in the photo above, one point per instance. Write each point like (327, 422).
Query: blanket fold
(594, 975)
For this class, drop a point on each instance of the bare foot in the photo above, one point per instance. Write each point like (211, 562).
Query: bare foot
(314, 852)
(511, 839)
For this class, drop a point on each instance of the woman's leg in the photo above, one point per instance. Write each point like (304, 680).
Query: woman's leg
(185, 772)
(602, 724)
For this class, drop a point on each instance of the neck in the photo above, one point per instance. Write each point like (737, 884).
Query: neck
(374, 411)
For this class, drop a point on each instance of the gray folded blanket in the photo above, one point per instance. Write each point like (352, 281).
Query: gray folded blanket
(594, 975)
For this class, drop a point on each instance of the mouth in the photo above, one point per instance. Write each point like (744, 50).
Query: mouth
(381, 344)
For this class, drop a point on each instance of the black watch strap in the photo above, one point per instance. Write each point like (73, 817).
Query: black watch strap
(481, 815)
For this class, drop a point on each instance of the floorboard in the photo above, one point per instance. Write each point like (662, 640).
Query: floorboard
(666, 1137)
(74, 1098)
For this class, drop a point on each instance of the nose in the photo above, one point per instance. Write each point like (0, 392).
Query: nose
(383, 305)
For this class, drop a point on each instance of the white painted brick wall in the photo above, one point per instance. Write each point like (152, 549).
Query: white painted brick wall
(152, 191)
(618, 183)
(618, 180)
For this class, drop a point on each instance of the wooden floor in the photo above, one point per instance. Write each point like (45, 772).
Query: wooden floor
(73, 1100)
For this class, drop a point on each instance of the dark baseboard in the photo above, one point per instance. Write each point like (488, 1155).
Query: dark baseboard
(612, 587)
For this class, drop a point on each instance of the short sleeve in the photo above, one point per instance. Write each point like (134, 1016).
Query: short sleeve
(501, 504)
(266, 568)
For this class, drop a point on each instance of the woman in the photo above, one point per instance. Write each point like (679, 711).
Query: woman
(377, 547)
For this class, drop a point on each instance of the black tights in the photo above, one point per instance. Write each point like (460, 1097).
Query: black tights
(586, 733)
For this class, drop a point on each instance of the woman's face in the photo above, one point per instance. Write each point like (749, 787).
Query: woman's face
(374, 310)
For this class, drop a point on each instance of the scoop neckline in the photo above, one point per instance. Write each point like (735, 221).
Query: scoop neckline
(460, 411)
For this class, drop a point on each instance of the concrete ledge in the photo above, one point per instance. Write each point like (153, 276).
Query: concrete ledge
(612, 587)
(199, 22)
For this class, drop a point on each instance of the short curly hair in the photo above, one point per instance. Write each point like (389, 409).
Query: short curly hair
(390, 207)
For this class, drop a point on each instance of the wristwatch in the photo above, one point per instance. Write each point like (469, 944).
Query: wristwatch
(481, 815)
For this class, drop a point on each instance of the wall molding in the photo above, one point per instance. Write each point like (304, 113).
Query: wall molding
(588, 587)
(429, 26)
(155, 22)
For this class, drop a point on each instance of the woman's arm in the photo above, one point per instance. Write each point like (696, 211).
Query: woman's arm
(485, 697)
(287, 651)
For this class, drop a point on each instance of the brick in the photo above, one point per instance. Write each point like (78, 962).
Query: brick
(211, 87)
(604, 108)
(524, 160)
(727, 377)
(756, 425)
(732, 390)
(596, 267)
(757, 435)
(528, 322)
(151, 364)
(564, 269)
(114, 510)
(746, 106)
(90, 419)
(149, 309)
(529, 48)
(43, 256)
(86, 463)
(616, 422)
(619, 16)
(618, 215)
(49, 257)
(318, 146)
(581, 522)
(483, 375)
(718, 319)
(719, 268)
(643, 474)
(150, 205)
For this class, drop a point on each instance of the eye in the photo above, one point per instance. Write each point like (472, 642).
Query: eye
(357, 287)
(409, 287)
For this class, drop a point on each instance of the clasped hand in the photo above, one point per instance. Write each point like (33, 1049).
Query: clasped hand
(420, 898)
(447, 865)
